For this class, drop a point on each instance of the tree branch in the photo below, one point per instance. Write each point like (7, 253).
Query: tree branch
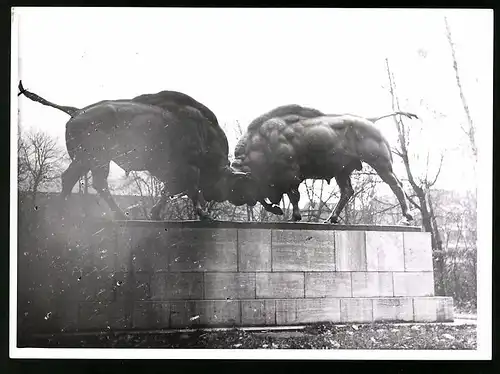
(438, 172)
(471, 133)
(400, 128)
(397, 152)
(412, 202)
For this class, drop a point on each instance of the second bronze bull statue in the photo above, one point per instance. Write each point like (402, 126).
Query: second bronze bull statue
(292, 143)
(171, 135)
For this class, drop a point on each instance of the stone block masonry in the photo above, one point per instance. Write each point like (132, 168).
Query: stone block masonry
(154, 275)
(303, 250)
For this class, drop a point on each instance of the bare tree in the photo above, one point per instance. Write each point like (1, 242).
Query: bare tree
(147, 187)
(420, 187)
(40, 162)
(22, 166)
(318, 193)
(470, 130)
(456, 215)
(359, 209)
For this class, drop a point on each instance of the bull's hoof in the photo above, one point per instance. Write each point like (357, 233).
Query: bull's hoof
(296, 218)
(206, 218)
(203, 216)
(409, 217)
(332, 220)
(405, 221)
(155, 215)
(276, 210)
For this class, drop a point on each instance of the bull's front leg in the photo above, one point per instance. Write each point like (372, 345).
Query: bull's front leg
(346, 192)
(294, 196)
(200, 205)
(158, 207)
(195, 193)
(100, 184)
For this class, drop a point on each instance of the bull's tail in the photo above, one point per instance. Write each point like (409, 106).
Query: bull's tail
(72, 111)
(406, 114)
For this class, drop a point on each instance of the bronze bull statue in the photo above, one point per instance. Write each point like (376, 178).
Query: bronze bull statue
(169, 134)
(292, 143)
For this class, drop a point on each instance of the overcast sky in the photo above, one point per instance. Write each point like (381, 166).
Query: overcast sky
(243, 62)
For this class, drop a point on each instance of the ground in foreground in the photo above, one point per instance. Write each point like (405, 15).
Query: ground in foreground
(318, 336)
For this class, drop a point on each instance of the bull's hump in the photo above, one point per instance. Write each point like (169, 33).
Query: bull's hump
(338, 122)
(292, 111)
(133, 107)
(115, 107)
(324, 121)
(357, 126)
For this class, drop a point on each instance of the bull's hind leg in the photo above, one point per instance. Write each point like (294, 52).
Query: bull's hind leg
(100, 183)
(346, 192)
(294, 196)
(68, 180)
(387, 175)
(70, 176)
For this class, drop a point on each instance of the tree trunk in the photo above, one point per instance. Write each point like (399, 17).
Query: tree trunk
(474, 277)
(86, 186)
(250, 216)
(34, 192)
(233, 214)
(320, 205)
(437, 250)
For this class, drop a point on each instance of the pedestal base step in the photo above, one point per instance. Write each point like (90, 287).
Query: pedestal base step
(154, 315)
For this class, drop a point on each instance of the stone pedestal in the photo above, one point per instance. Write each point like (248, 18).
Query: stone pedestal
(153, 275)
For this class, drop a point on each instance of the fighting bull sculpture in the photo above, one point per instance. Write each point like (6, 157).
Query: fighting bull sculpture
(169, 134)
(291, 143)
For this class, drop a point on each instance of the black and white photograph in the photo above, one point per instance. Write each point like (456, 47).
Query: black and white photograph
(280, 183)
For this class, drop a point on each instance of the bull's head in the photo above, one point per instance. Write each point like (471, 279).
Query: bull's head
(243, 188)
(226, 180)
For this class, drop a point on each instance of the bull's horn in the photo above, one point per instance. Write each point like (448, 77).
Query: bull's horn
(233, 171)
(241, 173)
